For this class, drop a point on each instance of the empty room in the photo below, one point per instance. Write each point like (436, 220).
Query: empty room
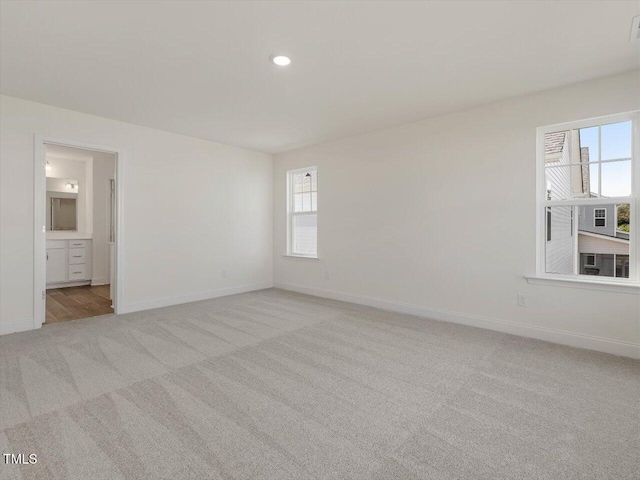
(319, 239)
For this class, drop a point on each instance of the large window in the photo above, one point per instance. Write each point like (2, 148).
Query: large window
(587, 199)
(302, 209)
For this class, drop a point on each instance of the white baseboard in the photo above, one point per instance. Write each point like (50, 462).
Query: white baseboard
(98, 281)
(193, 297)
(615, 347)
(14, 326)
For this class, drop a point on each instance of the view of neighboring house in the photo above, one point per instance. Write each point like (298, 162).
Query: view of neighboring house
(585, 239)
(604, 250)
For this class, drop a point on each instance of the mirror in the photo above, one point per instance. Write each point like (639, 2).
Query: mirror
(63, 214)
(62, 204)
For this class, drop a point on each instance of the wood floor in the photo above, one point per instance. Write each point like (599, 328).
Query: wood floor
(73, 303)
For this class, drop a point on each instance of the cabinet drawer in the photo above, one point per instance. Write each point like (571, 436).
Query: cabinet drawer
(77, 272)
(77, 256)
(56, 244)
(78, 243)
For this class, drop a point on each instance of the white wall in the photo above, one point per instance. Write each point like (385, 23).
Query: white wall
(438, 217)
(191, 209)
(104, 169)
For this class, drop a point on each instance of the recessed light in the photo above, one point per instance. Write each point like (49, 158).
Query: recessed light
(281, 60)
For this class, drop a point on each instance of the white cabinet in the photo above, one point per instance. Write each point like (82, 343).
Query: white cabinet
(68, 263)
(56, 265)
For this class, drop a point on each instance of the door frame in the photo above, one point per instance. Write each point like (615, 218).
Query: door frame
(39, 228)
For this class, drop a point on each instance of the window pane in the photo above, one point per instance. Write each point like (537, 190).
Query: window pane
(622, 266)
(603, 240)
(616, 179)
(566, 182)
(605, 265)
(616, 140)
(596, 219)
(560, 245)
(297, 179)
(306, 201)
(558, 182)
(623, 220)
(305, 234)
(581, 181)
(589, 144)
(303, 189)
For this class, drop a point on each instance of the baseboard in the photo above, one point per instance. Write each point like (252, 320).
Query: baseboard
(98, 281)
(193, 297)
(68, 284)
(615, 347)
(15, 326)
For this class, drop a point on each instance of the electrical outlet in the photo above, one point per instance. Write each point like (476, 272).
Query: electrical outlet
(522, 300)
(224, 274)
(327, 276)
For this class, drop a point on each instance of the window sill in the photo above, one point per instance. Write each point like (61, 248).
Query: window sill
(308, 257)
(618, 287)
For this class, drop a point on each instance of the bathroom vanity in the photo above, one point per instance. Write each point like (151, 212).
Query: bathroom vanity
(69, 261)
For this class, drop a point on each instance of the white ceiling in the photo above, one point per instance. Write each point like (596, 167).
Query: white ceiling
(201, 68)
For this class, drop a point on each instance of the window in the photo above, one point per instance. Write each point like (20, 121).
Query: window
(302, 218)
(590, 260)
(587, 199)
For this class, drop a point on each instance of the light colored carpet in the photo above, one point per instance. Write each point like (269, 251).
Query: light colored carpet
(271, 384)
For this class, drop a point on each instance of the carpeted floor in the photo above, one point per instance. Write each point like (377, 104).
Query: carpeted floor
(273, 384)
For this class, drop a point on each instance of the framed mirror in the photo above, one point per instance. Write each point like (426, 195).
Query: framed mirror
(63, 213)
(62, 204)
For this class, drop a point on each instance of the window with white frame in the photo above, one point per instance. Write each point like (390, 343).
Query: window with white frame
(302, 212)
(590, 260)
(587, 199)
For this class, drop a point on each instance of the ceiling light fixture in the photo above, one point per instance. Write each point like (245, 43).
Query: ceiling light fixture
(281, 60)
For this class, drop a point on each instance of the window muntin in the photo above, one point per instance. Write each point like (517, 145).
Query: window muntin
(586, 179)
(302, 218)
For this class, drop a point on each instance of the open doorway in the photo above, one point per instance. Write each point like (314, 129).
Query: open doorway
(76, 232)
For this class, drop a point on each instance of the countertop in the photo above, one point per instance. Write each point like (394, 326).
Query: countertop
(68, 236)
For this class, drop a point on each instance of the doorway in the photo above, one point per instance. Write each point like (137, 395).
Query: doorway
(77, 229)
